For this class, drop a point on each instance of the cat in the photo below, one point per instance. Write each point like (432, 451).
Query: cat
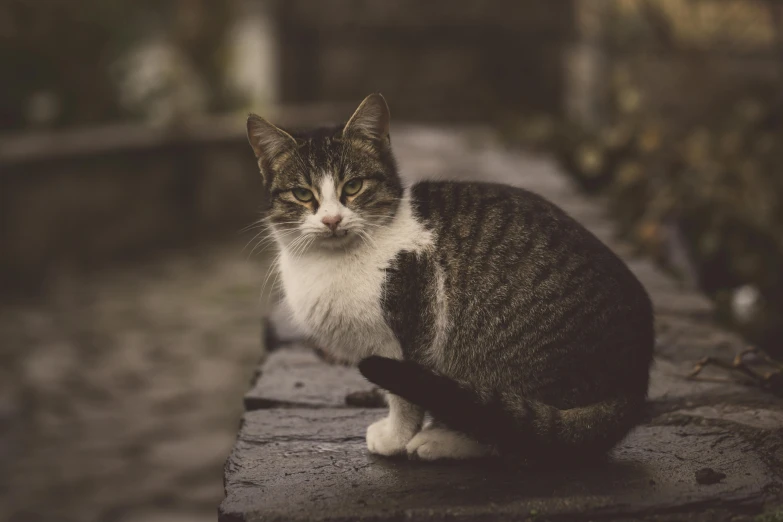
(484, 305)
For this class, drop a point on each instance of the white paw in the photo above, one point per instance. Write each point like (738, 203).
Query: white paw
(440, 443)
(386, 438)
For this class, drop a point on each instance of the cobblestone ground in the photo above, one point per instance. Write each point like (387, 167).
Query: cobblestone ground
(121, 391)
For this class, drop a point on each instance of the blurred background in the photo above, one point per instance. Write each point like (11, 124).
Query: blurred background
(130, 306)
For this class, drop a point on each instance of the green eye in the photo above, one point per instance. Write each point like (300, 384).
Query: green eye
(302, 194)
(352, 187)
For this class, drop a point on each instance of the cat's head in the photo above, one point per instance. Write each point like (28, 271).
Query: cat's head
(330, 187)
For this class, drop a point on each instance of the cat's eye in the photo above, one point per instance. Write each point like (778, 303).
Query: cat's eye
(302, 194)
(352, 187)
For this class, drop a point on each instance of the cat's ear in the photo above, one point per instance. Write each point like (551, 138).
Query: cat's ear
(370, 121)
(269, 142)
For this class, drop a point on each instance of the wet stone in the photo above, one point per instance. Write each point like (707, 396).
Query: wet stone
(583, 210)
(669, 382)
(709, 476)
(319, 457)
(687, 339)
(754, 417)
(653, 279)
(296, 376)
(682, 303)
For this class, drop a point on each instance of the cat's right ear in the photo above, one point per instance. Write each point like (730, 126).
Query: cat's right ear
(370, 121)
(270, 144)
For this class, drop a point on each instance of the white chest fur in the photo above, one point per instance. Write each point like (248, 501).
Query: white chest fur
(336, 295)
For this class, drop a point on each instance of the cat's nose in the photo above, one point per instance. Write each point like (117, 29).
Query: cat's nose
(331, 221)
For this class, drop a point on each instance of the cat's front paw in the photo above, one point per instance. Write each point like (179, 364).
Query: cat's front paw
(441, 443)
(387, 438)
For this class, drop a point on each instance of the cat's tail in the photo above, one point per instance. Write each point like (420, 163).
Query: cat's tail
(511, 422)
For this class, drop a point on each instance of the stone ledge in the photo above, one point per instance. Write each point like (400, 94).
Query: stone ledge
(297, 377)
(320, 470)
(307, 441)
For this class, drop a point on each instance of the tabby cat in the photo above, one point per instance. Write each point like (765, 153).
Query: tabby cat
(484, 305)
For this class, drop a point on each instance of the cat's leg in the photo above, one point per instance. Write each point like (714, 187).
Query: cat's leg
(436, 442)
(390, 435)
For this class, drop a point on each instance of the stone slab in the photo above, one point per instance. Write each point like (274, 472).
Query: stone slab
(711, 396)
(312, 465)
(652, 277)
(689, 339)
(669, 382)
(296, 377)
(759, 418)
(682, 303)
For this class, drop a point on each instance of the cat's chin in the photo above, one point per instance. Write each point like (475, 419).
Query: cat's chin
(347, 240)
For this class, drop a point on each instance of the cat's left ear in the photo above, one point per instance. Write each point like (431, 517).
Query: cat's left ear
(370, 121)
(269, 143)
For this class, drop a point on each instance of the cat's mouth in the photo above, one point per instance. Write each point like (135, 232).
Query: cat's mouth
(336, 239)
(338, 234)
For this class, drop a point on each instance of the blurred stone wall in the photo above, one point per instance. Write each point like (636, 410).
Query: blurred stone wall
(434, 60)
(76, 199)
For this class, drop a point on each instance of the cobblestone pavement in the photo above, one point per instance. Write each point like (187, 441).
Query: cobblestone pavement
(122, 390)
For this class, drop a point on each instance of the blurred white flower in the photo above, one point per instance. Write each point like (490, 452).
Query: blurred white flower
(745, 303)
(157, 82)
(252, 69)
(43, 107)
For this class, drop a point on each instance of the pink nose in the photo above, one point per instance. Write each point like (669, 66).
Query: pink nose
(331, 221)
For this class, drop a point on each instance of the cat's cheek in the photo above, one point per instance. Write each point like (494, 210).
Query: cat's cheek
(288, 214)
